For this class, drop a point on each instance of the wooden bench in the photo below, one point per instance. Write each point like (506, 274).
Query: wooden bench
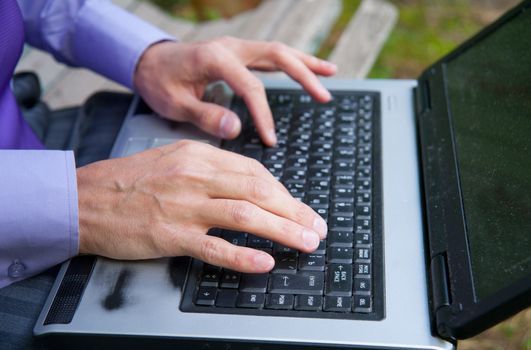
(303, 24)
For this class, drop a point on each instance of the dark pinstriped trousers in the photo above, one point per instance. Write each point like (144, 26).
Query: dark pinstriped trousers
(89, 130)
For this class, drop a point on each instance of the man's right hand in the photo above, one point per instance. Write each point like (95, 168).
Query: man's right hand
(162, 202)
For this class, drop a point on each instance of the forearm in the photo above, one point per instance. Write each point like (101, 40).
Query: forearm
(38, 212)
(95, 34)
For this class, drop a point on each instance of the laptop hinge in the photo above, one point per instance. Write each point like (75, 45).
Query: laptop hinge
(440, 294)
(422, 96)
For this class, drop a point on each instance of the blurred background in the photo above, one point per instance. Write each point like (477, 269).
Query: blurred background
(425, 31)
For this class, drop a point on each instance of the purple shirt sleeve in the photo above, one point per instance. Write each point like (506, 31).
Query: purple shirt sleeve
(95, 34)
(38, 189)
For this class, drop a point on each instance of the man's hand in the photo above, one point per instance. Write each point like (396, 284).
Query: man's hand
(162, 202)
(171, 77)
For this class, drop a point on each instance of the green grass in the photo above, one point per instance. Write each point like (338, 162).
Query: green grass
(425, 32)
(348, 10)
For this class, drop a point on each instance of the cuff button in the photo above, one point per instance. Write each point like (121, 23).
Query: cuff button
(16, 269)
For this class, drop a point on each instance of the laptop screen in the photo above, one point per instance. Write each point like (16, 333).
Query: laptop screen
(489, 89)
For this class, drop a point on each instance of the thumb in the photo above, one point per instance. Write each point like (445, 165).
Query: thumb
(214, 119)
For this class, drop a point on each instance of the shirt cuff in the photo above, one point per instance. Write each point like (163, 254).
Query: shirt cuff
(110, 40)
(39, 225)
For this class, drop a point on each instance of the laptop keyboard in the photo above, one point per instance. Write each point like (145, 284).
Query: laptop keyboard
(325, 157)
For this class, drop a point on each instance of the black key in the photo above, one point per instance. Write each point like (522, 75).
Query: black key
(321, 149)
(339, 280)
(258, 242)
(250, 300)
(342, 223)
(230, 279)
(323, 212)
(285, 263)
(299, 283)
(317, 200)
(343, 194)
(319, 173)
(340, 239)
(363, 210)
(363, 173)
(308, 302)
(361, 237)
(363, 269)
(295, 188)
(254, 282)
(345, 153)
(322, 161)
(340, 255)
(344, 181)
(279, 301)
(337, 304)
(363, 224)
(206, 296)
(363, 185)
(321, 248)
(362, 284)
(210, 278)
(363, 198)
(362, 303)
(344, 167)
(364, 161)
(299, 150)
(253, 151)
(274, 155)
(311, 262)
(362, 253)
(226, 298)
(319, 186)
(342, 208)
(279, 249)
(295, 176)
(296, 163)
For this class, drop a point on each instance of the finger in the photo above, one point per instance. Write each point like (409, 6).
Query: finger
(247, 217)
(217, 251)
(297, 70)
(226, 161)
(212, 118)
(267, 196)
(251, 89)
(316, 65)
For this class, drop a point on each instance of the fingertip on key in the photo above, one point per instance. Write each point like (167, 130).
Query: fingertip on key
(320, 226)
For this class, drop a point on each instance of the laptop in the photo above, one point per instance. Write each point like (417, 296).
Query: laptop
(426, 188)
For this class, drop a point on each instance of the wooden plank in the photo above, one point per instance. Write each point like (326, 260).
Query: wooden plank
(307, 24)
(362, 40)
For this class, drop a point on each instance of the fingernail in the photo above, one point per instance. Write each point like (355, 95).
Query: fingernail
(320, 226)
(263, 261)
(326, 93)
(329, 65)
(272, 136)
(226, 126)
(310, 239)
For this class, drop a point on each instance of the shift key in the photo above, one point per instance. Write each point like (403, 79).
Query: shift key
(300, 283)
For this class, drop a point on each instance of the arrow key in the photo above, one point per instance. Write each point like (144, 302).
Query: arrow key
(206, 296)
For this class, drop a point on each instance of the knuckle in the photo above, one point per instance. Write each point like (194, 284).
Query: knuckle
(259, 189)
(255, 167)
(300, 214)
(241, 213)
(208, 250)
(277, 46)
(255, 87)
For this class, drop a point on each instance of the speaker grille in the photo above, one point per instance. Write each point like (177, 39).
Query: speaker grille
(70, 291)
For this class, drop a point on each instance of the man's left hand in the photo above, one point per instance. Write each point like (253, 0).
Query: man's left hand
(172, 77)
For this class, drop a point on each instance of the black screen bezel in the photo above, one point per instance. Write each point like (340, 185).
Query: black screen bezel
(465, 315)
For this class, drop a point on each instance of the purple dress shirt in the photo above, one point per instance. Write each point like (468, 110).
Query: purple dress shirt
(38, 190)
